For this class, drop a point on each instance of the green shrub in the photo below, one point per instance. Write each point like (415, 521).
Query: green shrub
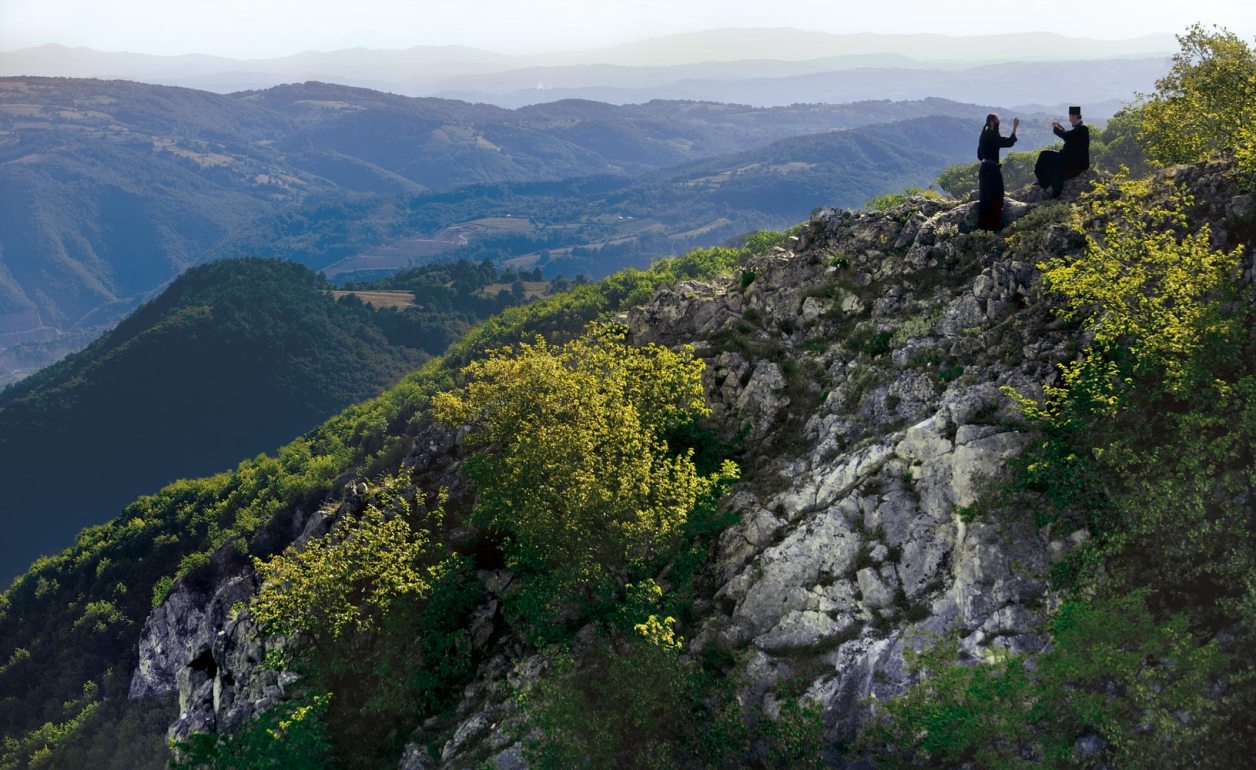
(1203, 106)
(345, 582)
(889, 201)
(866, 340)
(629, 705)
(1114, 670)
(289, 736)
(571, 464)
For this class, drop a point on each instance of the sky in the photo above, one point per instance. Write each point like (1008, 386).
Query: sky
(270, 28)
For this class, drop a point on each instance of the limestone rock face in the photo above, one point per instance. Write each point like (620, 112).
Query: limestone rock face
(202, 642)
(198, 644)
(853, 543)
(763, 398)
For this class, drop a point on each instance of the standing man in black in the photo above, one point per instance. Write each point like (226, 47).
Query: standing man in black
(989, 175)
(1054, 167)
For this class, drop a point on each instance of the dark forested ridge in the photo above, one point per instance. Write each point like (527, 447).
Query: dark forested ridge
(233, 359)
(109, 189)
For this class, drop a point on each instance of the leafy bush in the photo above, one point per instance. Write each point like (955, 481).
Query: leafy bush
(635, 703)
(1147, 285)
(377, 611)
(1152, 424)
(345, 582)
(1114, 669)
(1204, 105)
(603, 714)
(571, 463)
(1117, 145)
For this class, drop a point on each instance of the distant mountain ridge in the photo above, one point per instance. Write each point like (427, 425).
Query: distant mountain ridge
(724, 54)
(109, 189)
(1091, 82)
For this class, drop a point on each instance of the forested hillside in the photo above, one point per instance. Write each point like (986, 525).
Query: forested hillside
(234, 358)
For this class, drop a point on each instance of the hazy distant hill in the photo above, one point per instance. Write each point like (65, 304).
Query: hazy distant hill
(419, 71)
(1088, 82)
(789, 44)
(109, 189)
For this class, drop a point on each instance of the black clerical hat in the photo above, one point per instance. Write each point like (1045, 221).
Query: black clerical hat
(1075, 111)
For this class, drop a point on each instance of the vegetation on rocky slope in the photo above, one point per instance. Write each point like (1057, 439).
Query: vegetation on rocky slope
(70, 623)
(1145, 446)
(1148, 443)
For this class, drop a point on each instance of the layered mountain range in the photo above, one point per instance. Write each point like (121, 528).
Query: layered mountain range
(762, 67)
(110, 189)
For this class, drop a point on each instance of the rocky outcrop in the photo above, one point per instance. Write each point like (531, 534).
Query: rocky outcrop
(862, 369)
(852, 543)
(202, 642)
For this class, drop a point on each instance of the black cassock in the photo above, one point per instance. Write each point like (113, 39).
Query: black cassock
(1054, 167)
(990, 179)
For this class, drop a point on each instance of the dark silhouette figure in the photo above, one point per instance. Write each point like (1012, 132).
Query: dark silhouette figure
(1054, 167)
(990, 175)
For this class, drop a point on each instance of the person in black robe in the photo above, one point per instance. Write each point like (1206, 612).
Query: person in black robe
(1054, 167)
(989, 173)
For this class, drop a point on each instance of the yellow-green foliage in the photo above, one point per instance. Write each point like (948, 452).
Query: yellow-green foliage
(1147, 284)
(571, 461)
(890, 200)
(379, 609)
(1207, 102)
(346, 581)
(639, 599)
(1245, 152)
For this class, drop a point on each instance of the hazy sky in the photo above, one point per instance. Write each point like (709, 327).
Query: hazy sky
(265, 28)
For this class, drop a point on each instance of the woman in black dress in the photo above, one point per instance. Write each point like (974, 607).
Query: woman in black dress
(989, 176)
